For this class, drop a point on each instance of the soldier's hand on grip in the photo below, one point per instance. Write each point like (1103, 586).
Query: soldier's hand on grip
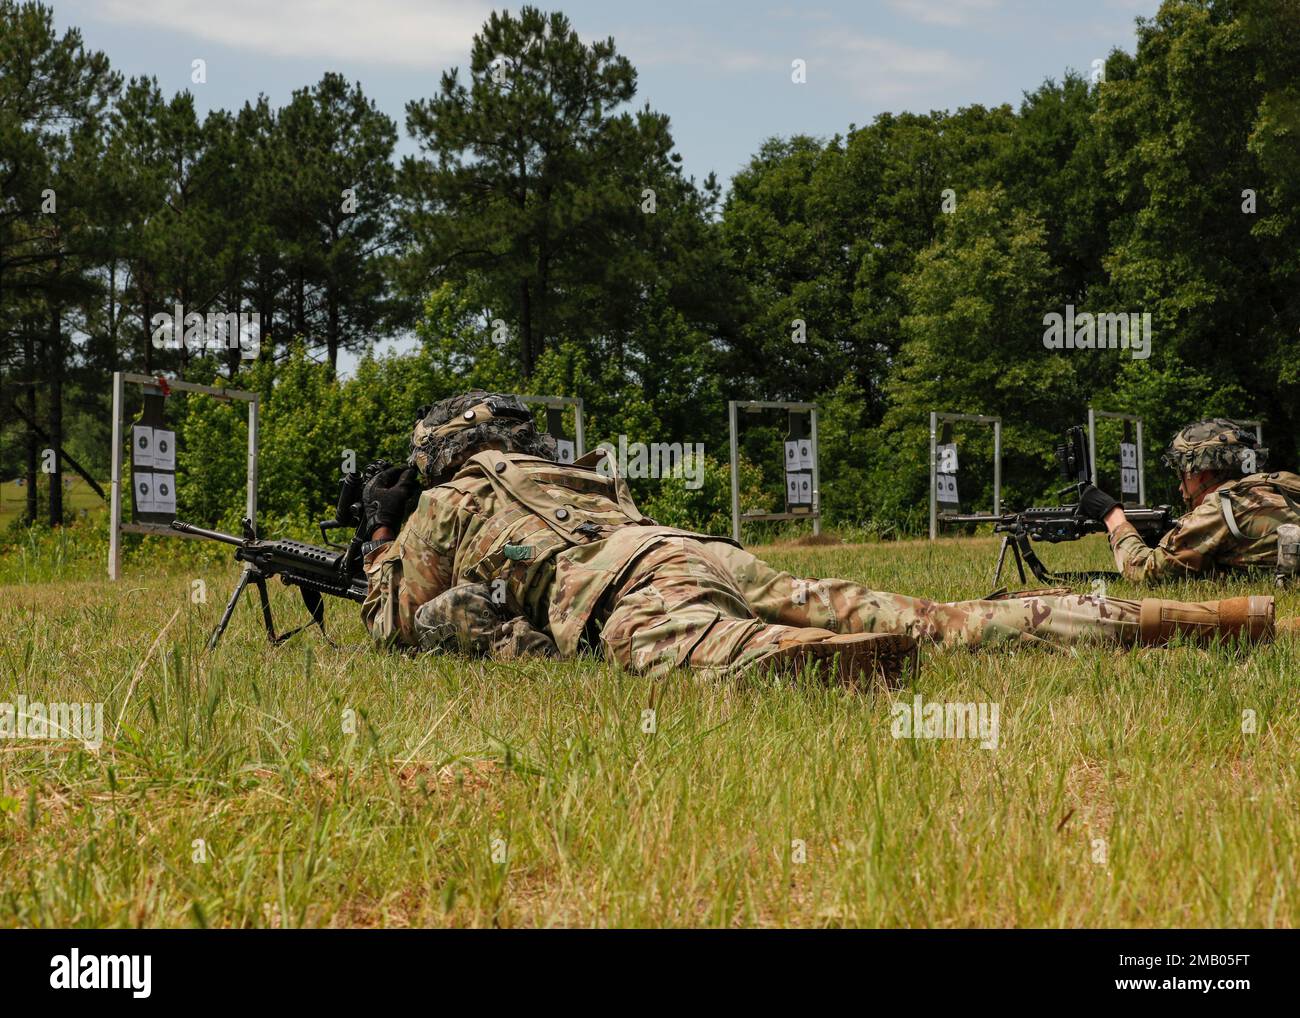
(385, 496)
(1094, 504)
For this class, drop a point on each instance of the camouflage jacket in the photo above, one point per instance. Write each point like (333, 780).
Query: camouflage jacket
(1235, 527)
(546, 540)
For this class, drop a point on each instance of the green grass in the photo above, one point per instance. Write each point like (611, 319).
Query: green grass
(247, 755)
(79, 496)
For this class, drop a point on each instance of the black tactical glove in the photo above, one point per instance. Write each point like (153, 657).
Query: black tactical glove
(385, 496)
(1094, 503)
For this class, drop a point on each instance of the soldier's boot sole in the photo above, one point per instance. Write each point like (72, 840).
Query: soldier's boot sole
(1247, 618)
(859, 660)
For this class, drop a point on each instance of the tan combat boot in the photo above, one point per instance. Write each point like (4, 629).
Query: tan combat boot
(1247, 618)
(858, 660)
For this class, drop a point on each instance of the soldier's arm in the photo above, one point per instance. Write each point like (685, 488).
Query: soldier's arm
(415, 568)
(465, 618)
(1184, 551)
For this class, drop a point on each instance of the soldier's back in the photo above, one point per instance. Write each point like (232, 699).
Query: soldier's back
(1252, 509)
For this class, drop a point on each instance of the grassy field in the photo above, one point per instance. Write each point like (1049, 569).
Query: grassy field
(78, 497)
(311, 786)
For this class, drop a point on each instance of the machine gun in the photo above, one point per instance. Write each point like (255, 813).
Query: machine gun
(335, 569)
(1055, 524)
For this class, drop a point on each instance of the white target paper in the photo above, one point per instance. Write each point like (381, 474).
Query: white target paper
(564, 450)
(1128, 475)
(141, 446)
(142, 492)
(164, 493)
(164, 449)
(805, 454)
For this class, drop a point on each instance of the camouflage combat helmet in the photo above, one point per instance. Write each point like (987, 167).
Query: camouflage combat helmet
(1219, 445)
(447, 433)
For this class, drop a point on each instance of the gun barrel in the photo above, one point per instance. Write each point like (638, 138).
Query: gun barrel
(211, 535)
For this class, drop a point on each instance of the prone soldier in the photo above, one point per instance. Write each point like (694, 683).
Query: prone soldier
(510, 553)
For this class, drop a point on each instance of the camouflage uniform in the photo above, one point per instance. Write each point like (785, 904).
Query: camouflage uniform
(465, 618)
(1235, 527)
(563, 550)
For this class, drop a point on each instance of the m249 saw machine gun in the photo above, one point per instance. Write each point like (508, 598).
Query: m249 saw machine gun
(335, 569)
(1055, 524)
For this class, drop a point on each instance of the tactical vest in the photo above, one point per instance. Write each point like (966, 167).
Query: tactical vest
(1253, 509)
(559, 536)
(1234, 499)
(540, 508)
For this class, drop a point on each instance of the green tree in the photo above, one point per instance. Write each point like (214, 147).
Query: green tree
(560, 211)
(976, 300)
(333, 193)
(53, 93)
(1201, 153)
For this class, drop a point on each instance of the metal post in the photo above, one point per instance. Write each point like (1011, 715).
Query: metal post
(935, 418)
(934, 496)
(115, 497)
(1092, 446)
(816, 492)
(578, 433)
(735, 470)
(997, 467)
(1142, 467)
(252, 461)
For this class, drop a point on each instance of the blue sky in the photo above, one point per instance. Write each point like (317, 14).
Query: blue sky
(720, 70)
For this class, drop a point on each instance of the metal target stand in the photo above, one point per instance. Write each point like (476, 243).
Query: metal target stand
(935, 420)
(814, 506)
(159, 385)
(1141, 455)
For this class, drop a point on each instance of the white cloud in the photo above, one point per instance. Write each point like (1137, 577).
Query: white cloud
(660, 46)
(947, 13)
(885, 72)
(410, 33)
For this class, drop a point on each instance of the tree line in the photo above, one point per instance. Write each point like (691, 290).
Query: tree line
(545, 238)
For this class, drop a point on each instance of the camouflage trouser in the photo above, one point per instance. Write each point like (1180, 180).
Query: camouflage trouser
(708, 604)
